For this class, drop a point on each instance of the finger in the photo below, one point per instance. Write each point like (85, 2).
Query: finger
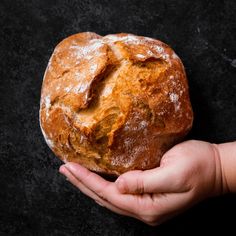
(107, 190)
(63, 170)
(93, 181)
(159, 180)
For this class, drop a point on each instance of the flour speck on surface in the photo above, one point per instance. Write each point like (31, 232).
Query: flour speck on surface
(175, 99)
(85, 51)
(47, 102)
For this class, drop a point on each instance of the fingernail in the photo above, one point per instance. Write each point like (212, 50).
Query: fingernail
(62, 172)
(71, 167)
(120, 184)
(61, 169)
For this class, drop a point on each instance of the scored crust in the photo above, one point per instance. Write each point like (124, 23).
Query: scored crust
(114, 103)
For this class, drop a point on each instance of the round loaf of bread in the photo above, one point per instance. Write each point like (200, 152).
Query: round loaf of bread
(114, 103)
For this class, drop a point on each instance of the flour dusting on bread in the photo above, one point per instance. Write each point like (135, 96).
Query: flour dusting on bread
(114, 103)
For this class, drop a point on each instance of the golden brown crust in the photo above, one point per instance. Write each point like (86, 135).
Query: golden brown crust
(114, 103)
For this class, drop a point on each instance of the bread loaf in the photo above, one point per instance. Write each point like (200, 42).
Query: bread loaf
(114, 103)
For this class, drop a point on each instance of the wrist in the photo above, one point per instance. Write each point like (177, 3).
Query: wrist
(221, 186)
(227, 154)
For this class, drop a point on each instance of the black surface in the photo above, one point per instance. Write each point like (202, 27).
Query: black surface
(34, 198)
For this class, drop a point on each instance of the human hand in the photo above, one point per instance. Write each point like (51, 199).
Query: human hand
(188, 173)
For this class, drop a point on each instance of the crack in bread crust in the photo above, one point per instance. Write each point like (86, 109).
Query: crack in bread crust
(114, 103)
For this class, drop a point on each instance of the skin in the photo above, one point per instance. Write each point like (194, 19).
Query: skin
(188, 173)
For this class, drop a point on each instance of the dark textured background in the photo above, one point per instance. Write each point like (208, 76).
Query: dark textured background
(34, 198)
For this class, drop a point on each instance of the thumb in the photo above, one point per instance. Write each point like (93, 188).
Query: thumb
(158, 180)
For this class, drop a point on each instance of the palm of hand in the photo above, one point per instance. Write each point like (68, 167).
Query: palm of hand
(187, 173)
